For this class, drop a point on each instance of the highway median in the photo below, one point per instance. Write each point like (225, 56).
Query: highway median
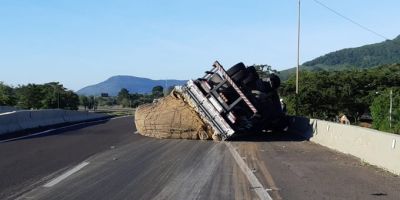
(24, 122)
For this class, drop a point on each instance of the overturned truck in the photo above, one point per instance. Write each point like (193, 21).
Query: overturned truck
(217, 106)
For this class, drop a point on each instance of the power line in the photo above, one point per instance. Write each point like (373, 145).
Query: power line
(351, 20)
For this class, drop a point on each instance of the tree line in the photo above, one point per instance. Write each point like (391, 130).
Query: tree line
(38, 96)
(355, 93)
(124, 98)
(127, 99)
(54, 95)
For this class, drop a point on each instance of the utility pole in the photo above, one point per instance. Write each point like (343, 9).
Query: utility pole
(298, 51)
(390, 109)
(58, 99)
(298, 61)
(57, 92)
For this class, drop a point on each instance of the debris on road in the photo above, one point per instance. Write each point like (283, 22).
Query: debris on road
(216, 106)
(171, 117)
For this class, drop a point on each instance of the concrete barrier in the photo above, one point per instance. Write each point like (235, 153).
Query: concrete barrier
(73, 116)
(374, 147)
(9, 123)
(4, 109)
(28, 119)
(24, 119)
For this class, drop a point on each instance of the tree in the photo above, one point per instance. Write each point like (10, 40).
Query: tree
(7, 95)
(106, 101)
(93, 102)
(70, 100)
(84, 101)
(325, 94)
(52, 95)
(157, 91)
(264, 70)
(46, 96)
(123, 97)
(30, 96)
(380, 111)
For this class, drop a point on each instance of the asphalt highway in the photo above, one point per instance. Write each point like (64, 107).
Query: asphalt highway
(107, 160)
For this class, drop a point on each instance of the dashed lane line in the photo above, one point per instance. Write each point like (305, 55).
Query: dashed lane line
(65, 175)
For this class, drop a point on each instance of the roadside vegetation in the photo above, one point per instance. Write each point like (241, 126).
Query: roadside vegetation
(356, 93)
(124, 99)
(54, 95)
(38, 96)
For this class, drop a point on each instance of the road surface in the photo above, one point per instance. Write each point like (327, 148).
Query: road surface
(106, 160)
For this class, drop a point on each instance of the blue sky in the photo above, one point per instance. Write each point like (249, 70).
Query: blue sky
(79, 43)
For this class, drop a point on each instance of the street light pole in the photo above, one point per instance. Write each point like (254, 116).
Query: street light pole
(298, 51)
(390, 109)
(58, 99)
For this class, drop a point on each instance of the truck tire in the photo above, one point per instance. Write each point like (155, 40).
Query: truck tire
(239, 76)
(261, 86)
(235, 68)
(275, 81)
(249, 79)
(252, 77)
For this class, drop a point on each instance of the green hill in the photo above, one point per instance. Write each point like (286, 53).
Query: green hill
(387, 52)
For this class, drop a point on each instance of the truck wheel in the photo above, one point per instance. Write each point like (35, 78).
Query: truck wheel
(260, 85)
(275, 81)
(239, 76)
(252, 70)
(252, 77)
(249, 79)
(236, 68)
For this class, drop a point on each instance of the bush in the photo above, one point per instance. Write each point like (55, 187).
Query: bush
(380, 111)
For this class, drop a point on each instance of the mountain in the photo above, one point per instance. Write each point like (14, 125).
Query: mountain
(386, 52)
(134, 84)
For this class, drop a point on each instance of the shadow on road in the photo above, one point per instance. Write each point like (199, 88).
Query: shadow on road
(267, 137)
(300, 129)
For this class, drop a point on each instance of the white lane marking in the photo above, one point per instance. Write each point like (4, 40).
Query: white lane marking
(66, 174)
(255, 183)
(60, 128)
(121, 117)
(6, 113)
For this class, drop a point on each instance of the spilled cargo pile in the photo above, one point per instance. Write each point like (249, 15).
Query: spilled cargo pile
(171, 117)
(216, 106)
